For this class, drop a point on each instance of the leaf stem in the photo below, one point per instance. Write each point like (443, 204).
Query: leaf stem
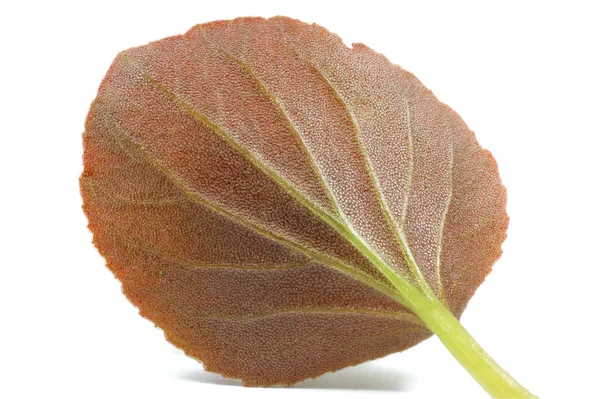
(442, 322)
(493, 378)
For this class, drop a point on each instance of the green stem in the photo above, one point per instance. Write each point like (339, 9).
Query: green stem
(495, 380)
(441, 321)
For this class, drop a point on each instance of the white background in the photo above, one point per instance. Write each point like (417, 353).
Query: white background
(525, 77)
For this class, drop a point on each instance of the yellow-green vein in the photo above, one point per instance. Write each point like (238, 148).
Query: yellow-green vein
(322, 258)
(346, 230)
(285, 116)
(246, 153)
(438, 263)
(400, 315)
(409, 172)
(396, 229)
(94, 188)
(186, 262)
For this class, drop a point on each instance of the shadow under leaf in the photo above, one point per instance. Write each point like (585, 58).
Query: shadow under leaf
(368, 377)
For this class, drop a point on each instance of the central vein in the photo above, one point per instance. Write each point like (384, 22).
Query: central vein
(409, 294)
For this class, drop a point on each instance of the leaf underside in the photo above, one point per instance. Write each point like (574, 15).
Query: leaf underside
(251, 183)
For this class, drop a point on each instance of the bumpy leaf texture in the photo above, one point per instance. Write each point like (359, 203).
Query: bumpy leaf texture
(234, 175)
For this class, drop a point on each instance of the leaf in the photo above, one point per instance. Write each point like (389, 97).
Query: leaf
(271, 198)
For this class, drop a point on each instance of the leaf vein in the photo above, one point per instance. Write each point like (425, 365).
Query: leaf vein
(285, 116)
(231, 141)
(438, 263)
(396, 229)
(94, 188)
(185, 262)
(401, 315)
(320, 257)
(409, 174)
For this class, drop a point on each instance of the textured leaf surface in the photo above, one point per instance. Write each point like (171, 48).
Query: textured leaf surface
(239, 179)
